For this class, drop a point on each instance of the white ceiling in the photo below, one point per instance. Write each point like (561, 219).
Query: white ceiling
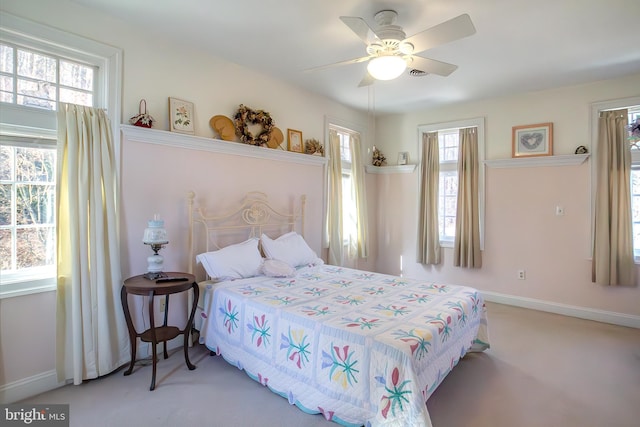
(519, 46)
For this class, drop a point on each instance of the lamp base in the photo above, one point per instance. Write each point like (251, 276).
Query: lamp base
(154, 275)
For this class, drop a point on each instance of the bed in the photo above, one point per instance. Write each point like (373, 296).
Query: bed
(360, 347)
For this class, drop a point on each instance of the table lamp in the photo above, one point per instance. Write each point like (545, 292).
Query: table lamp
(155, 235)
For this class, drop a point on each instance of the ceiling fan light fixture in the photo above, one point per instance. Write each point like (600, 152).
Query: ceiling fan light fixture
(386, 67)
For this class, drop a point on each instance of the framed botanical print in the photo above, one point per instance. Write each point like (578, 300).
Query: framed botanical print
(181, 116)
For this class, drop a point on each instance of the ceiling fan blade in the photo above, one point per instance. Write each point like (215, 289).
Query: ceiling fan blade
(448, 31)
(360, 27)
(335, 64)
(368, 80)
(432, 66)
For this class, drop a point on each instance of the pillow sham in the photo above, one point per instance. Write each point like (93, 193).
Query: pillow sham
(290, 248)
(233, 262)
(277, 268)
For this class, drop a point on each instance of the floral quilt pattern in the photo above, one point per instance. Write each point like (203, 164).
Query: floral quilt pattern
(361, 348)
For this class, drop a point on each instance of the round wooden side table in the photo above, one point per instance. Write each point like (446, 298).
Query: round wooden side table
(139, 285)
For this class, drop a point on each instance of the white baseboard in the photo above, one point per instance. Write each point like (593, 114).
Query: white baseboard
(29, 387)
(32, 386)
(604, 316)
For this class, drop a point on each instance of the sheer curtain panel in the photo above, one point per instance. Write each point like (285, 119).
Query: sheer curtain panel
(357, 172)
(92, 338)
(613, 260)
(334, 201)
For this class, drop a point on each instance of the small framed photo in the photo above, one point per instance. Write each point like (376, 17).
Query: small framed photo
(532, 140)
(403, 158)
(294, 138)
(181, 116)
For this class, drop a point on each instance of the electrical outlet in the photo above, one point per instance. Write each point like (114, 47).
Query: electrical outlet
(163, 301)
(521, 274)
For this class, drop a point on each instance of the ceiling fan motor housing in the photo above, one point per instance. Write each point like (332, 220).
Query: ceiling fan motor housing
(390, 35)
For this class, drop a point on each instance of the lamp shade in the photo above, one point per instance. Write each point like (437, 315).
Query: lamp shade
(155, 233)
(386, 67)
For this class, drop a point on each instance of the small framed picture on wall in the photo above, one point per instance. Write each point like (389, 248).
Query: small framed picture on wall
(532, 140)
(403, 158)
(294, 138)
(181, 116)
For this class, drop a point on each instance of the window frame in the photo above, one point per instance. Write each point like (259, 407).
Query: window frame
(21, 121)
(596, 109)
(478, 123)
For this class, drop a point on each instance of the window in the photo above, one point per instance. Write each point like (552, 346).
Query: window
(448, 135)
(34, 79)
(36, 75)
(448, 184)
(27, 206)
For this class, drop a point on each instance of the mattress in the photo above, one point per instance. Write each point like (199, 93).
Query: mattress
(361, 348)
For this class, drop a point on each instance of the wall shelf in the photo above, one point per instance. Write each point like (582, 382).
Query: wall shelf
(523, 162)
(390, 169)
(173, 139)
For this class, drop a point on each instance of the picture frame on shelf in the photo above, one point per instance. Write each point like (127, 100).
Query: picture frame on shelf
(403, 158)
(532, 140)
(181, 116)
(294, 140)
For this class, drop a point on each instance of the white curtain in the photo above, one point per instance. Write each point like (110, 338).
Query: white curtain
(466, 246)
(428, 234)
(92, 338)
(334, 203)
(361, 245)
(613, 260)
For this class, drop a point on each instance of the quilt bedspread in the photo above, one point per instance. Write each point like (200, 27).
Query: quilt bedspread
(361, 348)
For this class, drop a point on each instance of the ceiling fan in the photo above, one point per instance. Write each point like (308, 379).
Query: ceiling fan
(390, 52)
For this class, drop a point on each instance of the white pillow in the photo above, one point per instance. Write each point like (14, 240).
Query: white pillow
(234, 261)
(290, 248)
(277, 268)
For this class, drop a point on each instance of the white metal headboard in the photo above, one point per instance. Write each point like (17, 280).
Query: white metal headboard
(253, 217)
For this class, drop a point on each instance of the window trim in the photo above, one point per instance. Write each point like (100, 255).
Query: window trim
(477, 122)
(108, 84)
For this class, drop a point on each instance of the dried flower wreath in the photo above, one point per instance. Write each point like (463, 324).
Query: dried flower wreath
(246, 116)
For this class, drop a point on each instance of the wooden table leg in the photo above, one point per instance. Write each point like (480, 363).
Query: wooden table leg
(132, 331)
(187, 329)
(166, 320)
(154, 340)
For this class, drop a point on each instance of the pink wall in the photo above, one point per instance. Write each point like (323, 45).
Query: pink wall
(156, 179)
(522, 232)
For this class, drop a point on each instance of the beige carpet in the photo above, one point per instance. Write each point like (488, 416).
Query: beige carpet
(542, 370)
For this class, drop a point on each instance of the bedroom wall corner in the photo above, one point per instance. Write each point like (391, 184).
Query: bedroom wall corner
(522, 230)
